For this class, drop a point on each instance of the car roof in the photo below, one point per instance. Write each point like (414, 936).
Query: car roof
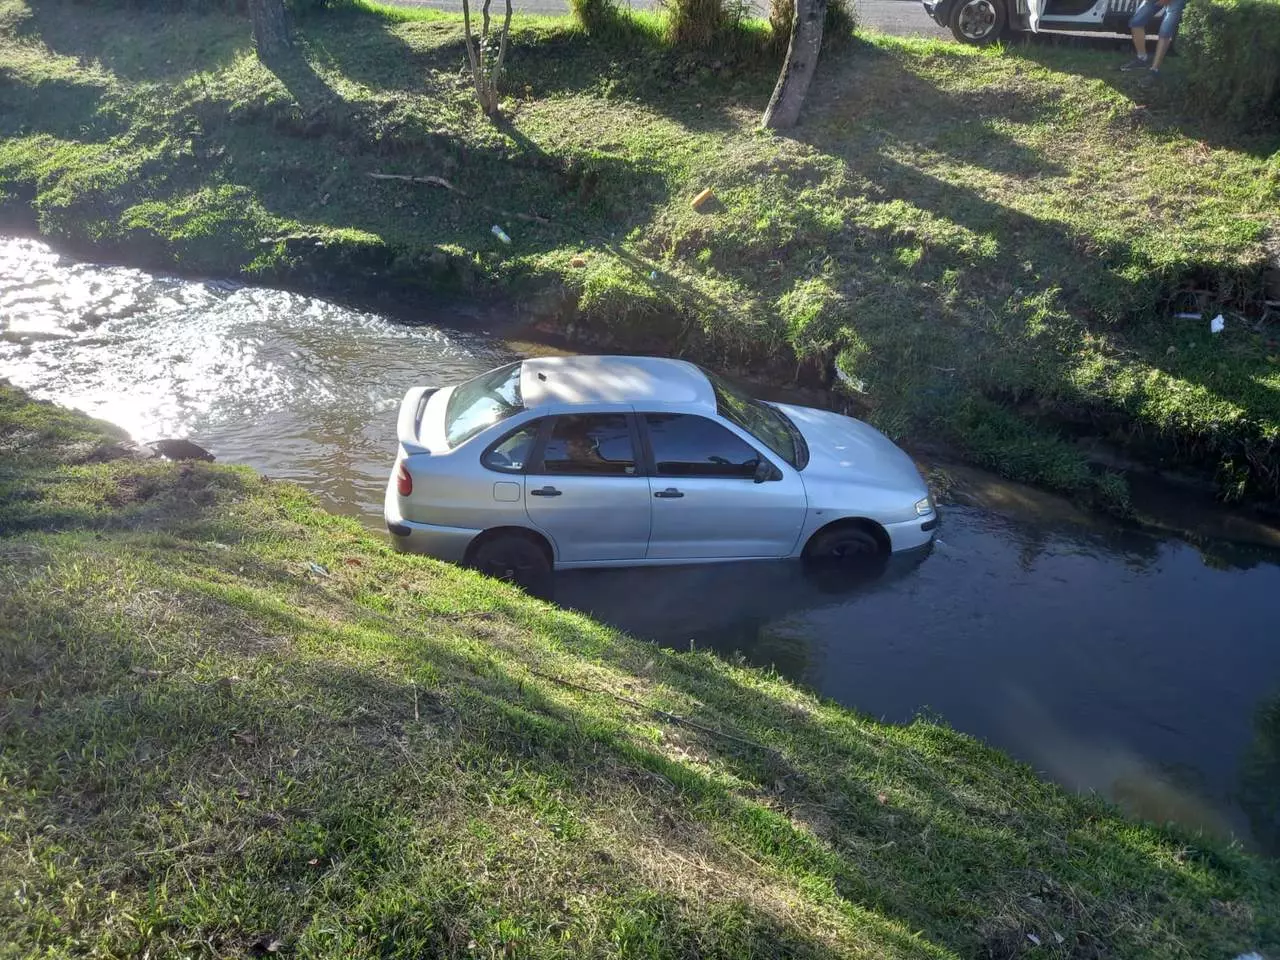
(652, 382)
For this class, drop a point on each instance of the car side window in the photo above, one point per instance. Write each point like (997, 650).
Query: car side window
(511, 453)
(685, 445)
(590, 444)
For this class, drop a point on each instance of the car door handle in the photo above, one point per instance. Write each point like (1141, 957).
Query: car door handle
(545, 492)
(671, 493)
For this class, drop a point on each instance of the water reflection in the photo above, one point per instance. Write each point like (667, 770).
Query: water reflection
(301, 388)
(1111, 660)
(753, 610)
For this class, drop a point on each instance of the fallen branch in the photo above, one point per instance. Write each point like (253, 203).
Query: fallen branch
(673, 717)
(445, 184)
(434, 181)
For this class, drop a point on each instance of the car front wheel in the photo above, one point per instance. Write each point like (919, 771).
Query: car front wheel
(978, 22)
(844, 544)
(515, 559)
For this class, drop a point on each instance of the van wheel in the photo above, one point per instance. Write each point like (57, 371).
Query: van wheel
(515, 559)
(979, 22)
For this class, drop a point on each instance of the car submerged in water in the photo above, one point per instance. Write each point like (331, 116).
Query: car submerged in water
(565, 462)
(982, 22)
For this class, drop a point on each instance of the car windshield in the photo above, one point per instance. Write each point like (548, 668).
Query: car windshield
(759, 419)
(481, 402)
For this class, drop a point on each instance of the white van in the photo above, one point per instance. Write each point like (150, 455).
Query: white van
(985, 21)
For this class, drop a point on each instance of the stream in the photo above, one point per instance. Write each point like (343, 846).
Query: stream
(1112, 659)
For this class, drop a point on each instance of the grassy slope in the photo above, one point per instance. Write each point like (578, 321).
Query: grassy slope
(207, 745)
(989, 241)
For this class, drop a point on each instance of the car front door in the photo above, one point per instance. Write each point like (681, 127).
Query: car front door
(585, 489)
(706, 502)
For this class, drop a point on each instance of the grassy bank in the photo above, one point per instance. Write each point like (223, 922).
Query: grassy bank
(232, 724)
(991, 245)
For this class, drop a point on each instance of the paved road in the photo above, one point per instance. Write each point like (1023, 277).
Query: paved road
(905, 18)
(901, 17)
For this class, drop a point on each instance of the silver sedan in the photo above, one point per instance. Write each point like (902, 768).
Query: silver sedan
(563, 462)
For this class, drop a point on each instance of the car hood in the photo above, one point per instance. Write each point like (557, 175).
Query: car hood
(846, 449)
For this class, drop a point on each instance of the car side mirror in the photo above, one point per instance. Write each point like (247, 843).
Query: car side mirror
(764, 471)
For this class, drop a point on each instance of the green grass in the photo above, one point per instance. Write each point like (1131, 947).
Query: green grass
(993, 243)
(228, 720)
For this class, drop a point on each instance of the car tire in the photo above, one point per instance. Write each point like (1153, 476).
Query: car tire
(514, 559)
(847, 544)
(978, 22)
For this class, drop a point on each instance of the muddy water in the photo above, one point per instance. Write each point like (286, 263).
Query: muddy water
(1112, 660)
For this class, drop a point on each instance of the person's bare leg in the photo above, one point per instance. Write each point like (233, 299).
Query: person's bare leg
(1140, 41)
(1162, 47)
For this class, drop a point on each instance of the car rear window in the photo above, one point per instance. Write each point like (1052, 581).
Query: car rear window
(481, 402)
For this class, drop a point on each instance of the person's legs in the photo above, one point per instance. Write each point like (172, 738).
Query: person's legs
(1168, 28)
(1138, 27)
(1139, 41)
(1162, 47)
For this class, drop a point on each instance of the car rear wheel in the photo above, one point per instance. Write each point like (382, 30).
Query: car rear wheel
(978, 22)
(515, 559)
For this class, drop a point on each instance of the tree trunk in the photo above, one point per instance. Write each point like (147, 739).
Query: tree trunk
(485, 70)
(502, 55)
(797, 70)
(270, 29)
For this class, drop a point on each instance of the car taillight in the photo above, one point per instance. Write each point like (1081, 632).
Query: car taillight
(404, 482)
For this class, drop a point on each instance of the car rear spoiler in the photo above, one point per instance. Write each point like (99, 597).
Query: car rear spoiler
(410, 420)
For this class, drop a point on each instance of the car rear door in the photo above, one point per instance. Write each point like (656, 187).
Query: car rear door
(706, 503)
(586, 489)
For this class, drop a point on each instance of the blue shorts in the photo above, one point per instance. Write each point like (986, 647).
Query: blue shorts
(1147, 11)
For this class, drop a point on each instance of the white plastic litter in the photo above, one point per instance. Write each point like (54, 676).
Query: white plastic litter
(1217, 324)
(501, 234)
(856, 384)
(1187, 315)
(1250, 956)
(1034, 939)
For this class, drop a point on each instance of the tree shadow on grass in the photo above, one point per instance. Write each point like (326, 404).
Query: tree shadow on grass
(1163, 106)
(138, 45)
(869, 97)
(309, 90)
(67, 110)
(369, 49)
(700, 91)
(342, 782)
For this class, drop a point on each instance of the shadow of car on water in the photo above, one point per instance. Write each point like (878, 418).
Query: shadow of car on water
(736, 609)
